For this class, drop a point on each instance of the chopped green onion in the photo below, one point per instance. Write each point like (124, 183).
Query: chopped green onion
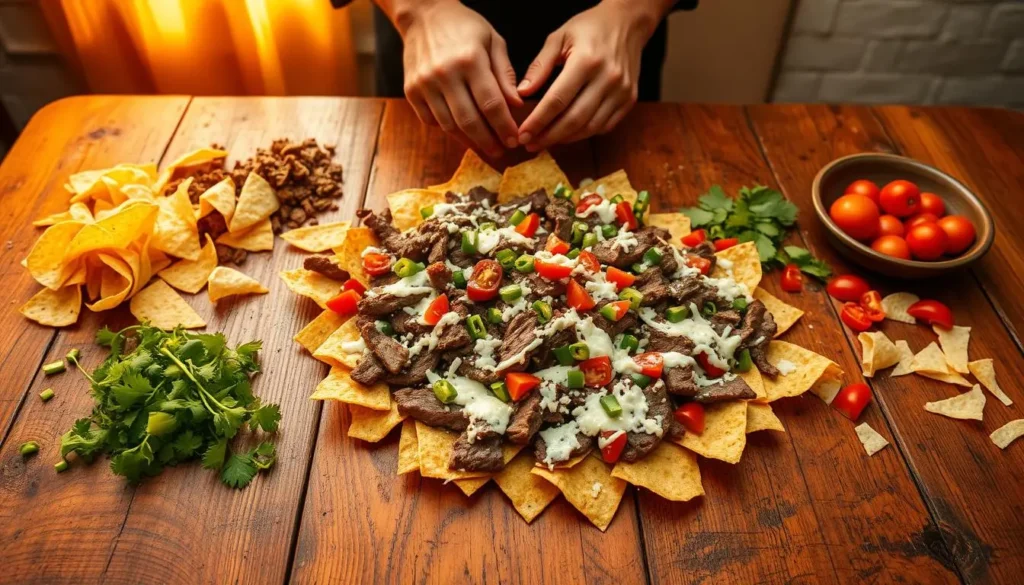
(575, 379)
(652, 257)
(524, 264)
(563, 192)
(543, 310)
(677, 314)
(46, 395)
(510, 293)
(427, 211)
(610, 312)
(609, 231)
(488, 226)
(617, 199)
(469, 242)
(573, 254)
(475, 325)
(709, 309)
(580, 350)
(579, 229)
(445, 391)
(60, 466)
(406, 267)
(563, 355)
(73, 355)
(385, 327)
(629, 343)
(643, 201)
(641, 380)
(517, 217)
(53, 367)
(739, 303)
(611, 405)
(459, 279)
(744, 363)
(632, 295)
(589, 240)
(29, 448)
(507, 258)
(494, 315)
(500, 391)
(639, 267)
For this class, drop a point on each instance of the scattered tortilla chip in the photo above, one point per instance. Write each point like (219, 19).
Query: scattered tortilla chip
(163, 307)
(435, 451)
(741, 263)
(117, 280)
(985, 371)
(256, 202)
(967, 406)
(905, 365)
(46, 260)
(954, 345)
(869, 437)
(334, 349)
(311, 285)
(220, 198)
(191, 275)
(339, 385)
(930, 360)
(406, 205)
(373, 425)
(317, 238)
(950, 377)
(877, 352)
(614, 184)
(529, 493)
(258, 238)
(725, 432)
(589, 487)
(318, 330)
(669, 471)
(176, 231)
(541, 172)
(896, 304)
(755, 380)
(190, 159)
(677, 224)
(226, 282)
(808, 367)
(829, 384)
(350, 253)
(472, 172)
(54, 308)
(408, 448)
(1008, 433)
(53, 219)
(760, 417)
(785, 315)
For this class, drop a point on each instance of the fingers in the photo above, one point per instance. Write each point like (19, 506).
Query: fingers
(558, 97)
(439, 109)
(419, 105)
(503, 71)
(467, 118)
(491, 102)
(538, 72)
(598, 122)
(574, 120)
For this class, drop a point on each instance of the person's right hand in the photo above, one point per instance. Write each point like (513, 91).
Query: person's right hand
(458, 74)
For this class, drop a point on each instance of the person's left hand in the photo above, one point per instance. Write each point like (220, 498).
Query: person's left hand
(601, 50)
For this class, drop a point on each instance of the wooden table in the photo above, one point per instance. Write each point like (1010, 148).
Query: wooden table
(941, 505)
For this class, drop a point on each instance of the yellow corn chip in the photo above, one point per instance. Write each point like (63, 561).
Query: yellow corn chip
(869, 437)
(567, 464)
(669, 471)
(258, 238)
(949, 377)
(54, 219)
(761, 418)
(344, 347)
(1008, 433)
(741, 263)
(473, 485)
(529, 493)
(311, 285)
(225, 282)
(930, 360)
(754, 379)
(589, 487)
(725, 432)
(435, 451)
(220, 197)
(408, 448)
(350, 253)
(472, 172)
(373, 425)
(176, 231)
(190, 159)
(614, 184)
(785, 315)
(877, 352)
(677, 224)
(829, 384)
(985, 371)
(318, 330)
(46, 261)
(896, 304)
(541, 172)
(54, 308)
(806, 367)
(191, 275)
(117, 281)
(162, 307)
(317, 238)
(967, 406)
(905, 365)
(339, 385)
(954, 345)
(256, 202)
(406, 205)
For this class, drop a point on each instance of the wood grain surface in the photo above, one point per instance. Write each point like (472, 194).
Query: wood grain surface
(941, 505)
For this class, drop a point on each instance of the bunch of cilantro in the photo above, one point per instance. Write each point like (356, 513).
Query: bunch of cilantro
(167, 397)
(760, 215)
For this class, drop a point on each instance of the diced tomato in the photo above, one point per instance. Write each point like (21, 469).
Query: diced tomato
(932, 312)
(871, 302)
(851, 400)
(577, 297)
(589, 261)
(588, 202)
(345, 303)
(519, 383)
(621, 278)
(694, 238)
(709, 368)
(651, 363)
(625, 216)
(437, 308)
(550, 270)
(691, 416)
(529, 225)
(376, 264)
(792, 280)
(597, 371)
(725, 243)
(699, 262)
(847, 288)
(556, 245)
(353, 284)
(611, 451)
(855, 317)
(483, 286)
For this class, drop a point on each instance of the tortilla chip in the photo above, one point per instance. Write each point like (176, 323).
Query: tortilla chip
(226, 282)
(785, 315)
(725, 432)
(985, 371)
(258, 238)
(567, 464)
(877, 352)
(406, 205)
(869, 437)
(53, 219)
(471, 486)
(176, 231)
(905, 365)
(317, 238)
(408, 448)
(589, 487)
(312, 285)
(669, 471)
(163, 307)
(529, 493)
(191, 275)
(472, 172)
(1008, 433)
(829, 384)
(54, 308)
(950, 377)
(614, 184)
(896, 304)
(350, 253)
(46, 260)
(318, 330)
(256, 202)
(189, 159)
(332, 350)
(755, 380)
(761, 418)
(746, 265)
(954, 345)
(967, 406)
(117, 280)
(220, 198)
(677, 224)
(373, 425)
(435, 450)
(339, 385)
(930, 360)
(809, 367)
(541, 172)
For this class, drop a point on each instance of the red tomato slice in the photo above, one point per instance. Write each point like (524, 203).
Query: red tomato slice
(792, 280)
(847, 288)
(483, 286)
(871, 302)
(625, 216)
(932, 312)
(691, 416)
(577, 297)
(855, 317)
(550, 270)
(345, 303)
(699, 262)
(588, 202)
(353, 284)
(519, 383)
(725, 243)
(651, 363)
(556, 245)
(694, 238)
(851, 400)
(613, 450)
(597, 371)
(376, 264)
(529, 225)
(710, 369)
(621, 278)
(437, 308)
(589, 261)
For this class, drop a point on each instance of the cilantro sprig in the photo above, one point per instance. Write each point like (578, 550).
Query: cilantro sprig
(167, 397)
(760, 215)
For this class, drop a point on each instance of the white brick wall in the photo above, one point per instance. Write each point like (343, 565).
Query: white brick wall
(905, 51)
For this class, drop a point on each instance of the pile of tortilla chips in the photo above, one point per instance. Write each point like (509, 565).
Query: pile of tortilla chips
(588, 483)
(120, 230)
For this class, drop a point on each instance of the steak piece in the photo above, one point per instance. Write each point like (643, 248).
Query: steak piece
(663, 342)
(526, 419)
(391, 354)
(562, 213)
(369, 370)
(679, 382)
(651, 283)
(758, 324)
(540, 448)
(422, 405)
(518, 336)
(439, 274)
(480, 194)
(439, 249)
(417, 370)
(382, 304)
(647, 237)
(638, 445)
(409, 323)
(706, 250)
(469, 370)
(537, 201)
(455, 335)
(540, 286)
(326, 266)
(545, 356)
(733, 389)
(483, 454)
(723, 318)
(414, 244)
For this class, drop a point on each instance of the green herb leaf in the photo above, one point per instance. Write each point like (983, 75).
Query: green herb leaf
(698, 217)
(715, 199)
(215, 454)
(266, 417)
(238, 471)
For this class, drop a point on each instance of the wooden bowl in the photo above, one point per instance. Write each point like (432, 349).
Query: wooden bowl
(833, 178)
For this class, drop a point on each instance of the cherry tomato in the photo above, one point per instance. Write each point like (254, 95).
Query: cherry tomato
(855, 317)
(353, 284)
(932, 313)
(625, 216)
(597, 371)
(651, 363)
(588, 202)
(894, 246)
(519, 383)
(927, 241)
(556, 245)
(792, 280)
(550, 270)
(483, 285)
(871, 302)
(864, 187)
(699, 262)
(691, 416)
(847, 288)
(709, 368)
(900, 198)
(959, 233)
(345, 303)
(621, 278)
(725, 243)
(694, 238)
(437, 309)
(919, 218)
(856, 215)
(851, 400)
(890, 225)
(577, 297)
(612, 450)
(376, 264)
(589, 261)
(529, 225)
(933, 204)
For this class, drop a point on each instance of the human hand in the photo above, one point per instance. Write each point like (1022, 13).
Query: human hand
(600, 49)
(458, 74)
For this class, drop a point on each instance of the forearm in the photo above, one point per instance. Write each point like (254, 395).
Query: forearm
(646, 14)
(403, 13)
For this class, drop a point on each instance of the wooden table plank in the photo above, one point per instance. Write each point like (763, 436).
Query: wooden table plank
(361, 522)
(969, 485)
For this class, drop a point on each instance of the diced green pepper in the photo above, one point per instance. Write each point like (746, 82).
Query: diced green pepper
(739, 303)
(563, 192)
(427, 211)
(580, 351)
(617, 199)
(709, 309)
(493, 315)
(459, 279)
(488, 226)
(744, 362)
(73, 355)
(543, 310)
(500, 391)
(639, 267)
(564, 356)
(589, 240)
(643, 201)
(445, 391)
(573, 254)
(609, 231)
(385, 327)
(60, 466)
(579, 229)
(46, 395)
(610, 312)
(475, 325)
(575, 379)
(632, 295)
(524, 264)
(611, 405)
(510, 293)
(652, 257)
(641, 380)
(677, 314)
(469, 238)
(407, 267)
(28, 448)
(53, 367)
(517, 217)
(507, 258)
(629, 343)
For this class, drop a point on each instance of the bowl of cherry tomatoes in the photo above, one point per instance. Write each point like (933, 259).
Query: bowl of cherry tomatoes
(900, 217)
